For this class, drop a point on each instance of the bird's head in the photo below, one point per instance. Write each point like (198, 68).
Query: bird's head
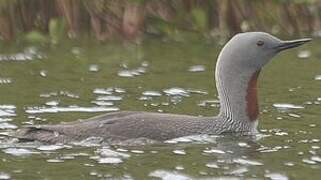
(256, 49)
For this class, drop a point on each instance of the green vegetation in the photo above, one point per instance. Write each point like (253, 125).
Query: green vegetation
(48, 21)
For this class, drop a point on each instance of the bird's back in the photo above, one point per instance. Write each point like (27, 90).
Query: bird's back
(120, 126)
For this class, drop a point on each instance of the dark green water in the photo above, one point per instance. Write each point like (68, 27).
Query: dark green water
(289, 149)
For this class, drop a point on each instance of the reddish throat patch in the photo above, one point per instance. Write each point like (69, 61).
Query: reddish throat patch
(252, 107)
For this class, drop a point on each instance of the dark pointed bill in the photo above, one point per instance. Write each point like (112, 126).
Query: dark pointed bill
(291, 44)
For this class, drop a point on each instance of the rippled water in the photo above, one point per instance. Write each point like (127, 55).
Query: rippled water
(39, 85)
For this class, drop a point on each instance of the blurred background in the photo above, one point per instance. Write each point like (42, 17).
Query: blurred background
(62, 60)
(49, 21)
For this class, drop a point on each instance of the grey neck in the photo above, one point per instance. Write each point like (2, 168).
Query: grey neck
(239, 110)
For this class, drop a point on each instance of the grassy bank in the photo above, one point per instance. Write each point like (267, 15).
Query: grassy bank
(53, 20)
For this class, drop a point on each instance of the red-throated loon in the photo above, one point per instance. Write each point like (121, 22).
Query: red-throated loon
(237, 70)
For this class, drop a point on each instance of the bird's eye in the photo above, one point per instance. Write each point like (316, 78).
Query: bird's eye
(260, 43)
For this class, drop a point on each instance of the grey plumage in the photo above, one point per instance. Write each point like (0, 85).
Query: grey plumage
(237, 64)
(122, 126)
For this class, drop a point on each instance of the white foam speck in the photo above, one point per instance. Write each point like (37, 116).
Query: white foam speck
(102, 103)
(179, 152)
(68, 94)
(119, 90)
(43, 73)
(52, 103)
(106, 152)
(125, 73)
(197, 91)
(4, 113)
(304, 54)
(289, 164)
(67, 157)
(168, 175)
(50, 147)
(316, 159)
(239, 171)
(109, 98)
(47, 95)
(285, 106)
(243, 144)
(294, 115)
(93, 173)
(247, 162)
(152, 93)
(7, 110)
(281, 133)
(39, 110)
(93, 68)
(137, 151)
(76, 51)
(132, 72)
(29, 53)
(276, 176)
(5, 120)
(193, 139)
(61, 93)
(4, 176)
(6, 125)
(7, 106)
(107, 91)
(18, 151)
(176, 91)
(317, 77)
(5, 80)
(55, 161)
(108, 156)
(110, 160)
(211, 103)
(217, 151)
(145, 98)
(179, 168)
(122, 150)
(196, 68)
(308, 161)
(212, 165)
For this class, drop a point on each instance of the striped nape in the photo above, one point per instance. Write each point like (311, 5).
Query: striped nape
(236, 104)
(225, 114)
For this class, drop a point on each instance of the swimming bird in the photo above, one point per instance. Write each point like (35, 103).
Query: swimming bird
(237, 70)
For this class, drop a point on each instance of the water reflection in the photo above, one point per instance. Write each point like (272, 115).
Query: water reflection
(39, 110)
(29, 53)
(51, 87)
(196, 68)
(126, 72)
(5, 80)
(234, 155)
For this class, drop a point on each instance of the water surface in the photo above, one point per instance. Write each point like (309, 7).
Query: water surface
(80, 80)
